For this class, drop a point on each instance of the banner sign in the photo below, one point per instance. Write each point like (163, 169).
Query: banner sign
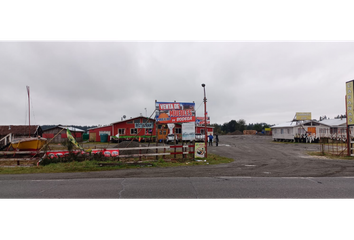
(173, 112)
(199, 150)
(201, 120)
(144, 125)
(350, 102)
(188, 131)
(303, 116)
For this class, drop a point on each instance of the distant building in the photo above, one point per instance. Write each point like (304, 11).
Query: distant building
(21, 131)
(134, 128)
(311, 130)
(18, 131)
(57, 134)
(142, 128)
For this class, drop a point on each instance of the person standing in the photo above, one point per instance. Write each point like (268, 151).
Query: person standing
(211, 140)
(217, 140)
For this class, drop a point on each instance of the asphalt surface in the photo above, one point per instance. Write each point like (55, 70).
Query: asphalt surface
(261, 169)
(180, 187)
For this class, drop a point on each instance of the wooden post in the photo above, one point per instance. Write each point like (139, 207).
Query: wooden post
(348, 135)
(156, 134)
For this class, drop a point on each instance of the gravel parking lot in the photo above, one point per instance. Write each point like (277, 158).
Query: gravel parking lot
(254, 156)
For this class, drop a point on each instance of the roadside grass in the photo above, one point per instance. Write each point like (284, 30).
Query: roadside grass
(112, 164)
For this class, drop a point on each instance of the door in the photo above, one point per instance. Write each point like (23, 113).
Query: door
(312, 130)
(92, 137)
(162, 134)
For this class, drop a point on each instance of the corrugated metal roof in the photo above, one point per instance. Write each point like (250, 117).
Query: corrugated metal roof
(328, 122)
(72, 129)
(130, 119)
(21, 130)
(286, 124)
(334, 122)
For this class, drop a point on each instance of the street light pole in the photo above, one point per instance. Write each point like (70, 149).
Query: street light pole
(205, 124)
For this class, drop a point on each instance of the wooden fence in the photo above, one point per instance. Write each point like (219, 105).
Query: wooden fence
(187, 151)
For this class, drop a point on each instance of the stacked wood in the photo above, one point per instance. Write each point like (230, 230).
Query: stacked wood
(249, 132)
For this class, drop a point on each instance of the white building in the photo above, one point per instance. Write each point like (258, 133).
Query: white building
(311, 130)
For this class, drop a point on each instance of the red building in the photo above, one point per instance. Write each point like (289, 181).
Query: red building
(142, 128)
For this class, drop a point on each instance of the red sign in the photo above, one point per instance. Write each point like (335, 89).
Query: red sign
(172, 112)
(169, 106)
(201, 120)
(105, 152)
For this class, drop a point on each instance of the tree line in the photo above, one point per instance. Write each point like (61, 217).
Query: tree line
(240, 125)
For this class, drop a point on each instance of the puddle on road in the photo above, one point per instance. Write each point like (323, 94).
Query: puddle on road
(250, 165)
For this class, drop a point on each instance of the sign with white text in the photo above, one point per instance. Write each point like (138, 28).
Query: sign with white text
(175, 112)
(144, 125)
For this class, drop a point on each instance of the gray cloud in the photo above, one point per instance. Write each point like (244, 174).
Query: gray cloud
(88, 83)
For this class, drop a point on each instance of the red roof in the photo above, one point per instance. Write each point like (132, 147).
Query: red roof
(130, 119)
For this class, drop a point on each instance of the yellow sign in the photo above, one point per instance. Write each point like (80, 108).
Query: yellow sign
(268, 129)
(303, 116)
(350, 103)
(199, 150)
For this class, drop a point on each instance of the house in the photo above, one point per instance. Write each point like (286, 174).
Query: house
(142, 128)
(57, 134)
(310, 130)
(9, 132)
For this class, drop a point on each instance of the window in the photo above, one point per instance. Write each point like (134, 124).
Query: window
(137, 121)
(281, 131)
(104, 132)
(202, 131)
(301, 130)
(334, 130)
(133, 131)
(121, 131)
(178, 130)
(130, 122)
(148, 131)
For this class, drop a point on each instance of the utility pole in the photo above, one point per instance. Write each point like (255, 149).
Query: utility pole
(205, 124)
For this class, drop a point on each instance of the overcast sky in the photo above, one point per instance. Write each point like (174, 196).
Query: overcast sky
(90, 83)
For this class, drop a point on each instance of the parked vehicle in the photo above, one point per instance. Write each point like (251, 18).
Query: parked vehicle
(171, 138)
(199, 137)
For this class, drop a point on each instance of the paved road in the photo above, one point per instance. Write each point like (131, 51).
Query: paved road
(261, 169)
(197, 187)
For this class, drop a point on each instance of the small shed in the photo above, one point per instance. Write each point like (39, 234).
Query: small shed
(95, 133)
(21, 131)
(18, 131)
(57, 134)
